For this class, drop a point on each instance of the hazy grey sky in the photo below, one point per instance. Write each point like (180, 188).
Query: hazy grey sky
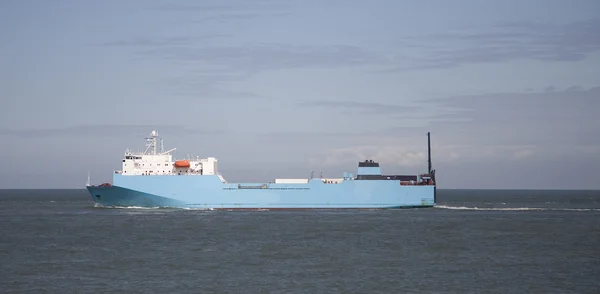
(510, 89)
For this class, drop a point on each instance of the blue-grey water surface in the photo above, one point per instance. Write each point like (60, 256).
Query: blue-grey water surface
(476, 241)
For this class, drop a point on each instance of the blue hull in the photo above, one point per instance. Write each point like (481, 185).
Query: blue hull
(208, 192)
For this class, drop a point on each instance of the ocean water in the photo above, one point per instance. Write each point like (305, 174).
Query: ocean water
(476, 241)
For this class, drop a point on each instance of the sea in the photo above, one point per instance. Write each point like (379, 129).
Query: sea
(474, 241)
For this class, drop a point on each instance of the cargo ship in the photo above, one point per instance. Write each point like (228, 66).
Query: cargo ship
(154, 179)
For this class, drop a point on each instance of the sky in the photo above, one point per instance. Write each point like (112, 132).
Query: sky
(509, 89)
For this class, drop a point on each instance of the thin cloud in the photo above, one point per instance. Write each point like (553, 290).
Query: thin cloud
(520, 125)
(501, 43)
(240, 16)
(153, 42)
(103, 131)
(405, 115)
(572, 107)
(257, 57)
(230, 63)
(205, 86)
(253, 6)
(311, 142)
(232, 11)
(225, 64)
(193, 8)
(361, 107)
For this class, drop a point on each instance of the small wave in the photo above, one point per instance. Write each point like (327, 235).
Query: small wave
(134, 207)
(203, 209)
(96, 205)
(515, 208)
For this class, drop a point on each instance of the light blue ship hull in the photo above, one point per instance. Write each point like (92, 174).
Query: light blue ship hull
(208, 192)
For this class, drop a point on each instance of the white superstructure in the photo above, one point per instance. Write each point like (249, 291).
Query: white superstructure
(152, 162)
(291, 181)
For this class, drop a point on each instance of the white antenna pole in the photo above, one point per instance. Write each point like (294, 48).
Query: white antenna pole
(154, 134)
(88, 180)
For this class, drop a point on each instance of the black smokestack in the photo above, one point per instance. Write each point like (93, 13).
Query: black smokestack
(431, 172)
(429, 153)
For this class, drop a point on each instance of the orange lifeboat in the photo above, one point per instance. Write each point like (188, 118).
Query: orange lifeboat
(182, 163)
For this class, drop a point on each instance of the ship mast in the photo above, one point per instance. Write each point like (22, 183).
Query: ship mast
(151, 142)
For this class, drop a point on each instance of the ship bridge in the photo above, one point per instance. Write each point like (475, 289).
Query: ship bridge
(160, 162)
(368, 168)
